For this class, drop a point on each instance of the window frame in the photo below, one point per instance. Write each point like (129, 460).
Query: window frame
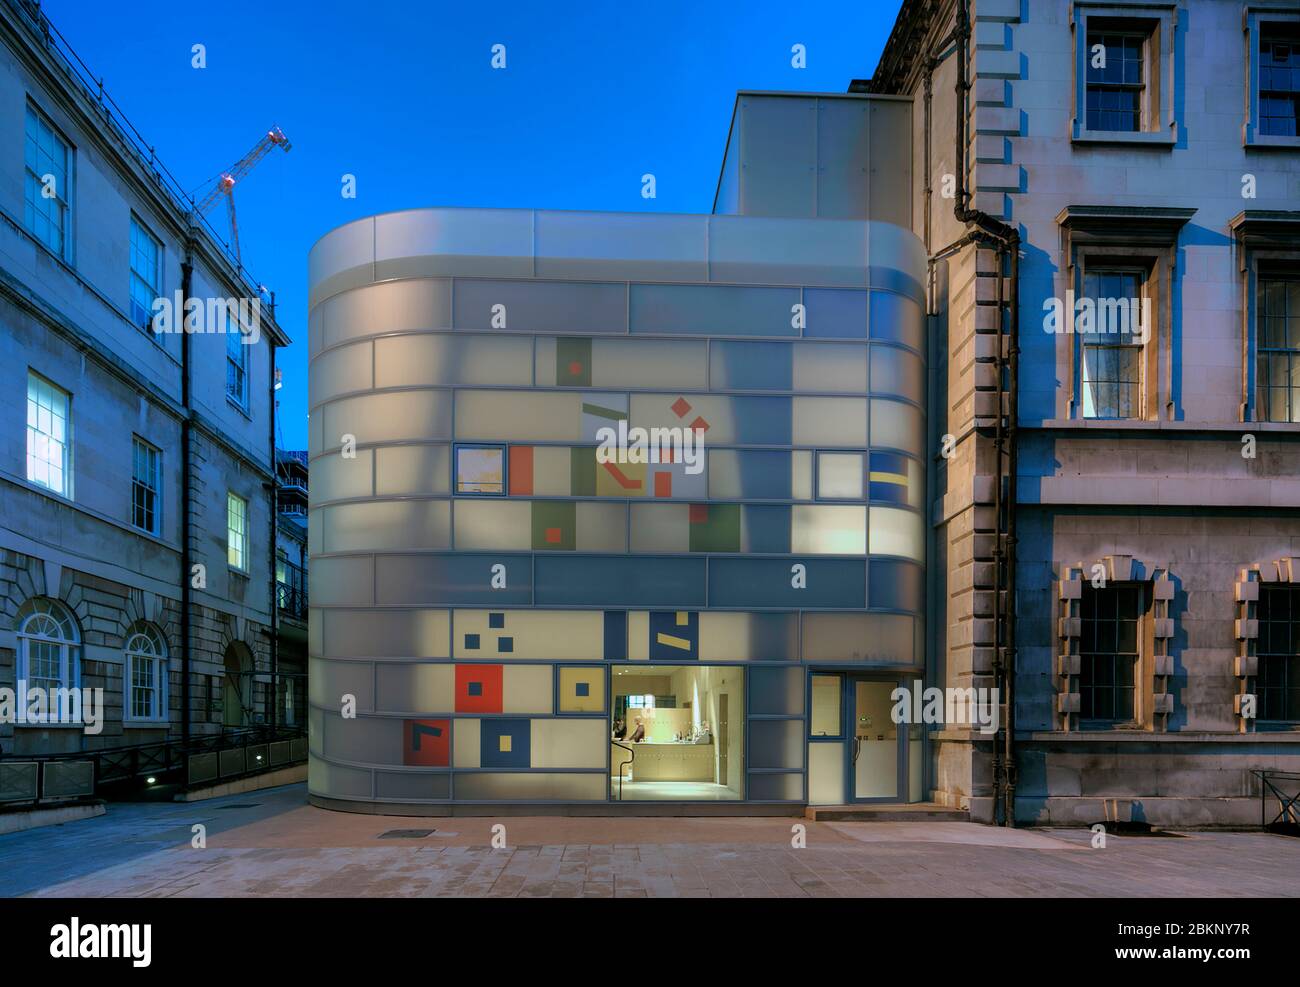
(66, 443)
(66, 199)
(235, 338)
(501, 447)
(1140, 679)
(137, 443)
(1254, 25)
(1138, 403)
(1293, 618)
(69, 647)
(140, 229)
(1157, 24)
(242, 567)
(158, 659)
(1284, 275)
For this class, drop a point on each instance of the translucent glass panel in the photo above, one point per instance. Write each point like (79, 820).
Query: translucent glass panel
(895, 585)
(337, 781)
(444, 579)
(530, 786)
(621, 363)
(336, 478)
(840, 475)
(601, 527)
(347, 368)
(826, 367)
(414, 688)
(897, 371)
(529, 689)
(835, 313)
(746, 366)
(830, 422)
(775, 788)
(801, 474)
(541, 306)
(343, 581)
(365, 739)
(437, 359)
(724, 310)
(710, 528)
(519, 416)
(776, 691)
(728, 636)
(381, 634)
(601, 581)
(898, 426)
(826, 715)
(826, 774)
(580, 690)
(397, 306)
(482, 525)
(660, 528)
(824, 529)
(725, 420)
(749, 474)
(540, 634)
(371, 418)
(329, 681)
(423, 469)
(897, 532)
(413, 786)
(387, 525)
(897, 319)
(858, 637)
(569, 743)
(776, 744)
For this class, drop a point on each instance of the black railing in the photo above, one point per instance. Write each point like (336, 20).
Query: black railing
(624, 764)
(118, 769)
(291, 589)
(1284, 788)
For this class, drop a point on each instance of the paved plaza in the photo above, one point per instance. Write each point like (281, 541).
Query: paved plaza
(272, 843)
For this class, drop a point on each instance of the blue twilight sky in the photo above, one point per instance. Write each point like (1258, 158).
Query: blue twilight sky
(403, 96)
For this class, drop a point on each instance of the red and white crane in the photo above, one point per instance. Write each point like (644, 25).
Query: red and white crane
(226, 181)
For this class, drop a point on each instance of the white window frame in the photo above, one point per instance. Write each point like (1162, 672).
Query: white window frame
(236, 535)
(42, 395)
(156, 489)
(145, 645)
(46, 622)
(150, 281)
(33, 183)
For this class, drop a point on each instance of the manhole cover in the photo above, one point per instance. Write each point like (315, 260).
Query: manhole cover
(239, 805)
(406, 834)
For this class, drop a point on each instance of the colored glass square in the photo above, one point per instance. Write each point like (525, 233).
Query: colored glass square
(671, 638)
(426, 743)
(505, 645)
(479, 688)
(496, 620)
(582, 689)
(505, 743)
(663, 484)
(554, 524)
(680, 407)
(471, 642)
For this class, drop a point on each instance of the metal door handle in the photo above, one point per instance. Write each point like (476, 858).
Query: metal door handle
(857, 746)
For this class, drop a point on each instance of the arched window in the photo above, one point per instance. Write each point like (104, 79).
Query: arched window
(49, 652)
(145, 676)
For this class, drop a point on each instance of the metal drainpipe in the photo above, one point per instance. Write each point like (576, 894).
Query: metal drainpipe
(187, 272)
(1007, 239)
(275, 530)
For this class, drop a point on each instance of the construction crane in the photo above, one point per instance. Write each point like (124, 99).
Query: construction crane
(224, 183)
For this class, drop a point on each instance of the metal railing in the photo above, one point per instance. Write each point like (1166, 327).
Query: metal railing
(623, 764)
(291, 589)
(1284, 787)
(35, 778)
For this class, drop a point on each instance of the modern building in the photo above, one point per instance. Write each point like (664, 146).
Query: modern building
(1074, 483)
(495, 598)
(137, 467)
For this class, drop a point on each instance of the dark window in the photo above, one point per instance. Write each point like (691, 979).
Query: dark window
(1278, 649)
(1279, 81)
(1277, 384)
(1114, 86)
(1108, 650)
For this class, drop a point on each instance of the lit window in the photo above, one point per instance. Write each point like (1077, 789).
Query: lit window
(1112, 352)
(1279, 652)
(1279, 81)
(1114, 95)
(49, 650)
(1108, 650)
(480, 470)
(146, 486)
(48, 446)
(146, 673)
(146, 274)
(840, 475)
(1277, 383)
(236, 363)
(47, 190)
(237, 531)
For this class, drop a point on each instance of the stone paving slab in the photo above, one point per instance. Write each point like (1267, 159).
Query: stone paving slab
(283, 847)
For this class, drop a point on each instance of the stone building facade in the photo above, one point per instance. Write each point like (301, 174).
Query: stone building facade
(1146, 485)
(107, 505)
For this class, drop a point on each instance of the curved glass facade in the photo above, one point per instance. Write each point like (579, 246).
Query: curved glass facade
(504, 576)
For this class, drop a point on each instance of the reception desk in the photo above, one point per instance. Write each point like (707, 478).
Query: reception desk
(665, 762)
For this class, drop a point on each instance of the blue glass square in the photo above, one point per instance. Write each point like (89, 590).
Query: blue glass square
(474, 688)
(496, 620)
(581, 689)
(471, 642)
(505, 645)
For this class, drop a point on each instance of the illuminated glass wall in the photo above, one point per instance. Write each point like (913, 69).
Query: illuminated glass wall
(478, 570)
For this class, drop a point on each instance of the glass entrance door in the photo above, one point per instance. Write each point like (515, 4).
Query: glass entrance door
(876, 743)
